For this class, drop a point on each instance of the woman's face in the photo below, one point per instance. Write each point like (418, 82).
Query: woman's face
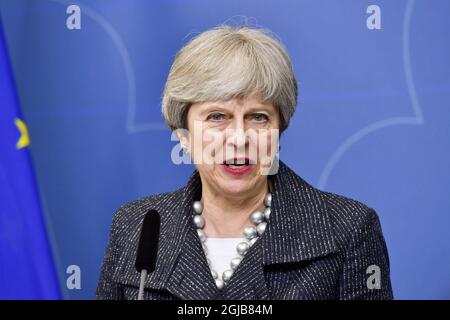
(243, 132)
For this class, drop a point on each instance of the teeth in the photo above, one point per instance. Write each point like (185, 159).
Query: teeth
(237, 162)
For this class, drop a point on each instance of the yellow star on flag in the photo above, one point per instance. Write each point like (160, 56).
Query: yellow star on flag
(24, 140)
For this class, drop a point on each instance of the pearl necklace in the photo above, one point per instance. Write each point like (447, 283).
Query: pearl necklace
(258, 218)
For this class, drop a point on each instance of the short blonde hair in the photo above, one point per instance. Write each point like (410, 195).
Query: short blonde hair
(230, 62)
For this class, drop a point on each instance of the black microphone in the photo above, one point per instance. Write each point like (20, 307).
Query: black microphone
(148, 248)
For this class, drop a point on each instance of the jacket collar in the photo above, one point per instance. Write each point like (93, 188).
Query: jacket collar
(299, 229)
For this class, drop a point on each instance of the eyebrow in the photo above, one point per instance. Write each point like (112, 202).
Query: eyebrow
(250, 109)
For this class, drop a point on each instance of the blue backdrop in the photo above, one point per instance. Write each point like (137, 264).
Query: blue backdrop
(373, 117)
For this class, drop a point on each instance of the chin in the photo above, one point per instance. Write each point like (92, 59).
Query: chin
(235, 188)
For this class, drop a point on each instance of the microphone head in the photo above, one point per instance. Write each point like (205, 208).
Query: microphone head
(148, 242)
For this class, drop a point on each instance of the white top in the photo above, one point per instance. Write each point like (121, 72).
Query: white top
(220, 251)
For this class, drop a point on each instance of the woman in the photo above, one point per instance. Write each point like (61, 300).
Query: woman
(245, 226)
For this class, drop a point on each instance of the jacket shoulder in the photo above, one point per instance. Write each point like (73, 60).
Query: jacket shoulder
(349, 217)
(129, 216)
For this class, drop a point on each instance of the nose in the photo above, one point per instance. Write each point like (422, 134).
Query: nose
(236, 137)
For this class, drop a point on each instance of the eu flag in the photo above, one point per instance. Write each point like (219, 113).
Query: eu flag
(27, 270)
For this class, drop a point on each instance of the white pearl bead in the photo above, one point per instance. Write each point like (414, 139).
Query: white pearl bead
(214, 274)
(261, 228)
(242, 248)
(268, 200)
(219, 284)
(257, 217)
(252, 242)
(199, 221)
(201, 235)
(250, 232)
(267, 213)
(235, 262)
(198, 207)
(227, 275)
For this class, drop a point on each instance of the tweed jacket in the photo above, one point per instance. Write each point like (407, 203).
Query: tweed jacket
(317, 245)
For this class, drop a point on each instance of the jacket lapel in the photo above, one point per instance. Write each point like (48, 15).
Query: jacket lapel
(299, 228)
(188, 276)
(191, 278)
(248, 282)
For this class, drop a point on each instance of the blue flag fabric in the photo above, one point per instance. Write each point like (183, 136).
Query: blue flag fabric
(27, 270)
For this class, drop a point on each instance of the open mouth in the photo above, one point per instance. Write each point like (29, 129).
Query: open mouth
(237, 163)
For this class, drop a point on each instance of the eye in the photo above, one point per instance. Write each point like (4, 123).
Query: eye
(260, 117)
(216, 116)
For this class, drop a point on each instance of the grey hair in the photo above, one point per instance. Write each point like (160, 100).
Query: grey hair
(230, 62)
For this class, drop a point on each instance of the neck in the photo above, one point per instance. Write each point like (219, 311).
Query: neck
(226, 217)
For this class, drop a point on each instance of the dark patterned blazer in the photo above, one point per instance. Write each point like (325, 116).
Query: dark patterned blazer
(317, 245)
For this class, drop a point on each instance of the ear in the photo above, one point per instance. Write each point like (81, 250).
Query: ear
(183, 136)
